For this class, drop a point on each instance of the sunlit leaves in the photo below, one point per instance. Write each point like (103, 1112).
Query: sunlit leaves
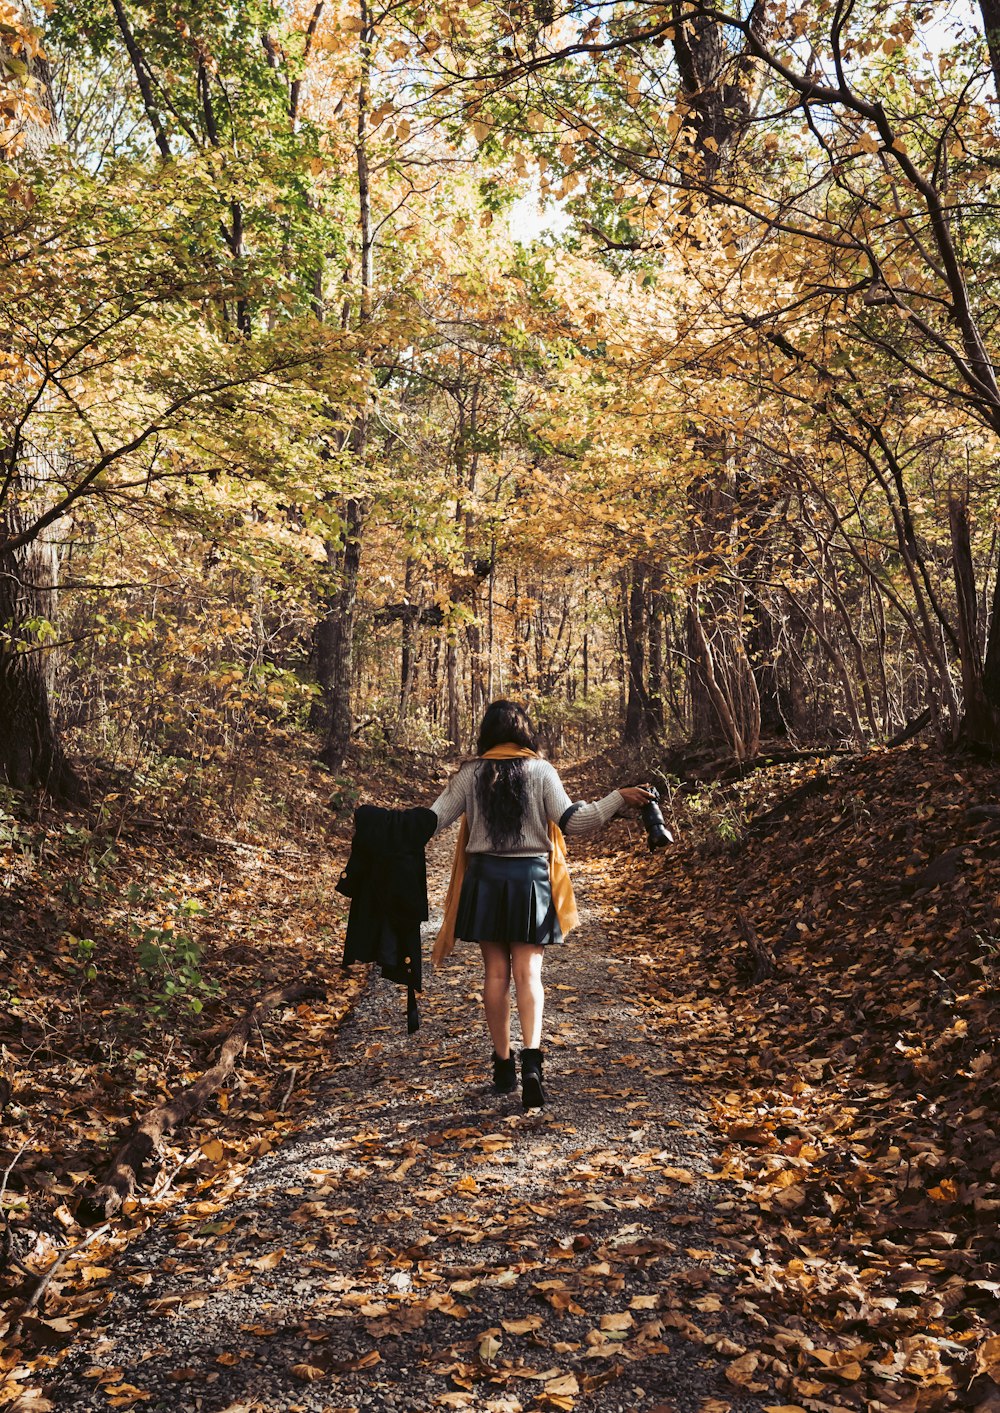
(22, 100)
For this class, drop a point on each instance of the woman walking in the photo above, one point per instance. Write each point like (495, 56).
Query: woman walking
(510, 888)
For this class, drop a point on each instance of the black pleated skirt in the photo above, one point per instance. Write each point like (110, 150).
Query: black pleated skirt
(507, 899)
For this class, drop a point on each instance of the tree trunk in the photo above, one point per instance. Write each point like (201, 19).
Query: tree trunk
(717, 84)
(732, 692)
(433, 682)
(586, 643)
(490, 626)
(990, 10)
(637, 708)
(991, 667)
(654, 710)
(477, 676)
(407, 661)
(335, 634)
(454, 723)
(762, 652)
(723, 713)
(981, 716)
(30, 752)
(335, 640)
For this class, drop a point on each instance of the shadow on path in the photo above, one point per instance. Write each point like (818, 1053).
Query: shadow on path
(426, 1245)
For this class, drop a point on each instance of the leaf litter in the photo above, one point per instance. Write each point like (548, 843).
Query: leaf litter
(422, 1243)
(854, 1092)
(778, 1196)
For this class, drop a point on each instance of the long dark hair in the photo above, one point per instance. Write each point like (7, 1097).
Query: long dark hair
(502, 785)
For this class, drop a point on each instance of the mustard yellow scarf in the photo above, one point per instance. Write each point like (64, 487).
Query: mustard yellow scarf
(562, 888)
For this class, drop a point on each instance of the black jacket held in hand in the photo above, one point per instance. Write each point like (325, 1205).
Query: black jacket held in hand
(386, 881)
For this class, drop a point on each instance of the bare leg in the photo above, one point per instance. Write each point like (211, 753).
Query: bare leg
(526, 966)
(496, 994)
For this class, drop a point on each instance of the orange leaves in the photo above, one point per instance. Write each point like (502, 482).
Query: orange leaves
(269, 1262)
(849, 1092)
(843, 1363)
(308, 1373)
(22, 99)
(124, 1395)
(559, 1295)
(988, 1359)
(319, 1368)
(742, 1370)
(527, 1325)
(560, 1391)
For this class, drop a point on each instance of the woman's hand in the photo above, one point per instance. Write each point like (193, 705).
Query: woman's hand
(635, 796)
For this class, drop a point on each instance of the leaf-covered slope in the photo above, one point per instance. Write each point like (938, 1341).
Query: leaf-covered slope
(131, 941)
(855, 1091)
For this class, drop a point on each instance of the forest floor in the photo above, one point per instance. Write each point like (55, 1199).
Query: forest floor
(423, 1243)
(743, 1194)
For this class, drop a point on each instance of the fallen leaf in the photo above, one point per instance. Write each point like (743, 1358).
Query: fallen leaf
(489, 1347)
(742, 1370)
(523, 1326)
(268, 1262)
(308, 1373)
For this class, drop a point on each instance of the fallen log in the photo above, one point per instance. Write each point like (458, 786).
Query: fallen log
(143, 1140)
(815, 785)
(977, 814)
(739, 770)
(912, 728)
(696, 767)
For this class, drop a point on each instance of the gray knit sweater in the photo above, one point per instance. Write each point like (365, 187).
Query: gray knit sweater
(547, 799)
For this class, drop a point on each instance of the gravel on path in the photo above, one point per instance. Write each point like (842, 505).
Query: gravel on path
(424, 1244)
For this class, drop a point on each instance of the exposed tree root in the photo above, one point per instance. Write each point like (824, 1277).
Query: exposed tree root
(759, 963)
(144, 1139)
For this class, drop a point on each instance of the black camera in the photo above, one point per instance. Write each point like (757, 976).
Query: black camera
(657, 833)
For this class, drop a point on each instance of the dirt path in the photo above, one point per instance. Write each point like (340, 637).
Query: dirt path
(425, 1244)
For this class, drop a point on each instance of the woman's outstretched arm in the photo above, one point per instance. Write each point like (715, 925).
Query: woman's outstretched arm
(581, 817)
(451, 802)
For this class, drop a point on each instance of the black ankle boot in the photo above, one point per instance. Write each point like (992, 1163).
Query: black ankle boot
(532, 1093)
(504, 1074)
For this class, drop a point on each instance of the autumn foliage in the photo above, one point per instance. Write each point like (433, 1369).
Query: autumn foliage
(361, 364)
